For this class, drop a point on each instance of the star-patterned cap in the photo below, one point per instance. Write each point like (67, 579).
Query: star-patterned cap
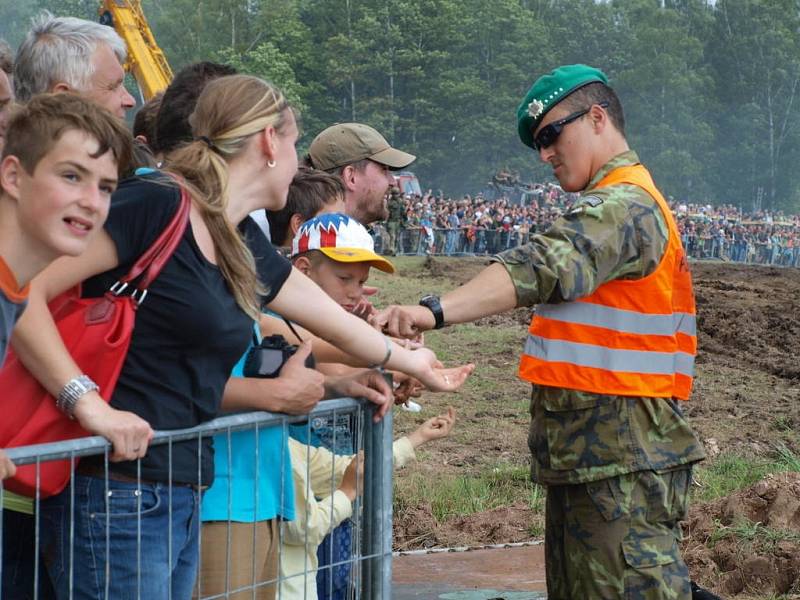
(340, 238)
(548, 91)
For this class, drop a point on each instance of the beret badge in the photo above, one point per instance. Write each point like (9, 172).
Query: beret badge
(535, 109)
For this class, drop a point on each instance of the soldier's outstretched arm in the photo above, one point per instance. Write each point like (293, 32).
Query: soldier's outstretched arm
(490, 292)
(618, 233)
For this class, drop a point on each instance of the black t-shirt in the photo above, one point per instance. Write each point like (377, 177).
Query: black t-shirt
(189, 331)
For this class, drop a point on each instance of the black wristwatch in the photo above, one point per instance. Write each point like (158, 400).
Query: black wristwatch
(432, 303)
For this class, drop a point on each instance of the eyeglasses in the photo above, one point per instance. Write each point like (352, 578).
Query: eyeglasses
(549, 133)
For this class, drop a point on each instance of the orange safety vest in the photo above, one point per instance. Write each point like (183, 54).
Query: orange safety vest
(630, 337)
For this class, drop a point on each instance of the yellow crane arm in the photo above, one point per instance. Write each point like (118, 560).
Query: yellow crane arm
(145, 59)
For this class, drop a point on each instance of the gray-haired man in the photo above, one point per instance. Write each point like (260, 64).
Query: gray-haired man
(63, 54)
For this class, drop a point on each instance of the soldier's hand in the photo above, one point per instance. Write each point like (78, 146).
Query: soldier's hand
(403, 321)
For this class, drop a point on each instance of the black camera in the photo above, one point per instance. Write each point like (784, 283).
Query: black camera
(267, 359)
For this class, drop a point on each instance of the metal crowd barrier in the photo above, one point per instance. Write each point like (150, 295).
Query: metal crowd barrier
(740, 251)
(371, 558)
(447, 242)
(416, 241)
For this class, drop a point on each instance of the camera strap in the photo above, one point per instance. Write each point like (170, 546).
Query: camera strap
(294, 331)
(257, 342)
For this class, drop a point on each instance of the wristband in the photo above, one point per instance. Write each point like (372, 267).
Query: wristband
(386, 358)
(73, 391)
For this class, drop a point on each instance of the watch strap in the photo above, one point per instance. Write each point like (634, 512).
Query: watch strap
(433, 304)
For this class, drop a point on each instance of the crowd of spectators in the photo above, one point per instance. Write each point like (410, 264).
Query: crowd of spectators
(435, 224)
(727, 233)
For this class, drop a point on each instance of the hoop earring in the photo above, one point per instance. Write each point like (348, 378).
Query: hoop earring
(271, 164)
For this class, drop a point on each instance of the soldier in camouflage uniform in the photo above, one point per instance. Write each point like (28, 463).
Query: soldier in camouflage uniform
(617, 467)
(396, 220)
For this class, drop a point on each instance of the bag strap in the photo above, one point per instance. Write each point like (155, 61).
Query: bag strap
(155, 257)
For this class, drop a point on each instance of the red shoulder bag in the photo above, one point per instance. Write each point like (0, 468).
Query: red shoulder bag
(97, 332)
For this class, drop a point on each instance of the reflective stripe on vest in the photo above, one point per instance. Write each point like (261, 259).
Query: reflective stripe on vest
(599, 357)
(630, 337)
(585, 313)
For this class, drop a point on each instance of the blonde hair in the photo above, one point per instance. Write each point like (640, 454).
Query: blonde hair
(229, 111)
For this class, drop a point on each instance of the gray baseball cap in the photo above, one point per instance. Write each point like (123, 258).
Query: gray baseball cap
(345, 143)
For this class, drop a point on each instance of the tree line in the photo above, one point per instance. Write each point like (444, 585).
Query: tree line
(710, 88)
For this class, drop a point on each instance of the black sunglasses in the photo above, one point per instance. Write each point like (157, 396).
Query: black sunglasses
(549, 133)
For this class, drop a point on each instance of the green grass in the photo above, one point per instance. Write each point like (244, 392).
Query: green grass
(752, 532)
(462, 495)
(731, 472)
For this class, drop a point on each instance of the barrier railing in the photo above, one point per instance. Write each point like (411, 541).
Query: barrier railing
(369, 562)
(417, 241)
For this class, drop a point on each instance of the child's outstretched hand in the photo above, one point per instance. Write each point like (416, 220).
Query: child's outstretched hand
(434, 428)
(353, 479)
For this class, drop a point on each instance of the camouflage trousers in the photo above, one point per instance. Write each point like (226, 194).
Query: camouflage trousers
(393, 227)
(617, 538)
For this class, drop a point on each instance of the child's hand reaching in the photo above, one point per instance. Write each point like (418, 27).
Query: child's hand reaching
(405, 387)
(434, 428)
(353, 479)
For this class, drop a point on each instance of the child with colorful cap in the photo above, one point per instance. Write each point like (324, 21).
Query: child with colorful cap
(336, 252)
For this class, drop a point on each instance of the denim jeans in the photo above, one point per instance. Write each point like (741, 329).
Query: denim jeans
(137, 553)
(333, 582)
(19, 559)
(450, 244)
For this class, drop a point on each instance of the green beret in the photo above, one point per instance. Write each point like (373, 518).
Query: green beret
(548, 91)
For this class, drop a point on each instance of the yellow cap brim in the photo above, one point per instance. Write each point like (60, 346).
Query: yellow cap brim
(354, 255)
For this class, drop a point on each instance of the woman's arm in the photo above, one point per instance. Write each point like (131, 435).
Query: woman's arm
(323, 351)
(38, 344)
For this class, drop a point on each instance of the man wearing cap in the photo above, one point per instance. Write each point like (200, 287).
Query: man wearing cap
(609, 354)
(364, 160)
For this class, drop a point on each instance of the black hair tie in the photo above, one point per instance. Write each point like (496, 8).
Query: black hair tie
(208, 143)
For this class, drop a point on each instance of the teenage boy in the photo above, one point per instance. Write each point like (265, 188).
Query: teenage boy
(59, 166)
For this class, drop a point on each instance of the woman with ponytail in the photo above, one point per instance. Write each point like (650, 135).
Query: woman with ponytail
(191, 329)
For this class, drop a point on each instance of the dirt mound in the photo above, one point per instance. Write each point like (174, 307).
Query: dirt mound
(507, 524)
(459, 271)
(748, 542)
(417, 527)
(747, 313)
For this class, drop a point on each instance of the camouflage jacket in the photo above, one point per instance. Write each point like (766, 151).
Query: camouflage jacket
(614, 232)
(397, 209)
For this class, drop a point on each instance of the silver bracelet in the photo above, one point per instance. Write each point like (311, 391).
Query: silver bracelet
(386, 358)
(75, 388)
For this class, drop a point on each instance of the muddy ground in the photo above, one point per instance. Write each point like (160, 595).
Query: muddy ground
(746, 402)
